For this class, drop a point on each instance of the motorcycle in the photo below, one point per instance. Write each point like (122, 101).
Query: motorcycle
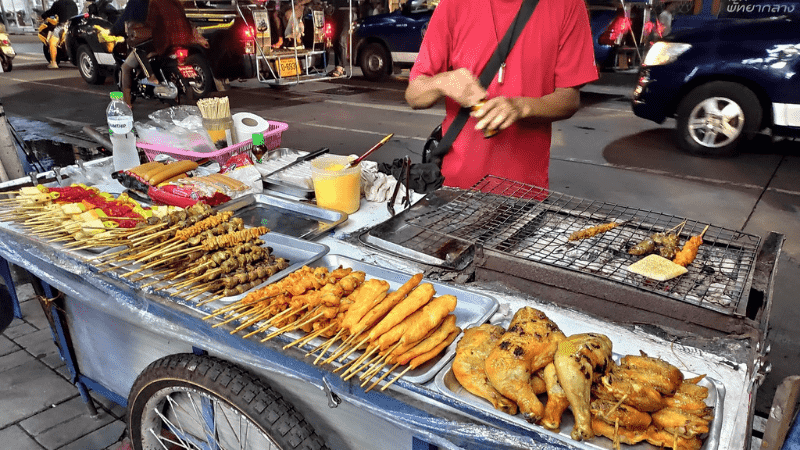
(89, 44)
(174, 70)
(7, 53)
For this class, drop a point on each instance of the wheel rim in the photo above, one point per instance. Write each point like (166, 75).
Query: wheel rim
(716, 122)
(199, 86)
(375, 63)
(186, 418)
(87, 68)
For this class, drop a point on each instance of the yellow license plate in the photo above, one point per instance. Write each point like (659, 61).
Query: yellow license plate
(287, 67)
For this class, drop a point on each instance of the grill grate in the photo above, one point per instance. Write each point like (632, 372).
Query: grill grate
(534, 224)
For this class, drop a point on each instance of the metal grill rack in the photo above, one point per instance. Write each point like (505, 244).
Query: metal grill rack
(534, 224)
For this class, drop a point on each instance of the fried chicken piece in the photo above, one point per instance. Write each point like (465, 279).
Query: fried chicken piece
(537, 383)
(576, 360)
(619, 413)
(690, 387)
(557, 400)
(686, 403)
(661, 375)
(527, 346)
(641, 396)
(665, 439)
(682, 423)
(618, 434)
(469, 363)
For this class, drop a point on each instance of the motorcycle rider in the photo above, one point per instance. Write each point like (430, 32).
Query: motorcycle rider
(63, 10)
(167, 26)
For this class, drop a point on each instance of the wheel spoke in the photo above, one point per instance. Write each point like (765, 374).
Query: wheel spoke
(731, 111)
(177, 431)
(203, 421)
(710, 137)
(729, 131)
(697, 123)
(711, 106)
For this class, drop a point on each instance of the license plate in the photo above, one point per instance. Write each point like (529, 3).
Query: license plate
(287, 67)
(187, 71)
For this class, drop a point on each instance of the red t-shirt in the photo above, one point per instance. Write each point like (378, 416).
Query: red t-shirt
(554, 51)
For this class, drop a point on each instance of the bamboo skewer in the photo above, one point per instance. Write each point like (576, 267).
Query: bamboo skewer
(325, 346)
(382, 377)
(396, 378)
(303, 340)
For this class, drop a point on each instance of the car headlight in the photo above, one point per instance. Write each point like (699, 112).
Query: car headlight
(664, 53)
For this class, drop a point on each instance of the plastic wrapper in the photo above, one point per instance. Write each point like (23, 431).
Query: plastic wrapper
(178, 127)
(212, 189)
(241, 167)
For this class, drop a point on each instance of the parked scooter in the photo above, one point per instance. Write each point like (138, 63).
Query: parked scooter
(174, 70)
(7, 53)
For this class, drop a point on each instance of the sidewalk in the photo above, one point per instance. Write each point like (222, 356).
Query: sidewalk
(39, 407)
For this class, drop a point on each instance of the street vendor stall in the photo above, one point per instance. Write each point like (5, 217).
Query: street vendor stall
(200, 368)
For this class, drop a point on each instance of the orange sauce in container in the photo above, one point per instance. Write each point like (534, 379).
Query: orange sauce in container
(335, 186)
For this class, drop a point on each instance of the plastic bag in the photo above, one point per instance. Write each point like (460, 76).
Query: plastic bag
(178, 127)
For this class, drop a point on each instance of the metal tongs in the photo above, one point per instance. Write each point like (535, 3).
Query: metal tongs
(407, 199)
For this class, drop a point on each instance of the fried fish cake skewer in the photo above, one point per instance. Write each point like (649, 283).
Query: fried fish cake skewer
(425, 357)
(418, 324)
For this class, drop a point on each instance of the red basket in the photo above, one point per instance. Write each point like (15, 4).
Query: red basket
(272, 139)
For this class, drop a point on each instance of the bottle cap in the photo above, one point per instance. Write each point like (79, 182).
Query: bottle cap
(258, 139)
(116, 95)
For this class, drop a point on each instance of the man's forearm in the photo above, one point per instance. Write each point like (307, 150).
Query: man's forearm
(559, 105)
(424, 91)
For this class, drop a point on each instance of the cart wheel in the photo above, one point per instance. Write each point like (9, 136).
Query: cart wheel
(187, 401)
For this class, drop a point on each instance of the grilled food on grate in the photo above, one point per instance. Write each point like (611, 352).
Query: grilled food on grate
(657, 268)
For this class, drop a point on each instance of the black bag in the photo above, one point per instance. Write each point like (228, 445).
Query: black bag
(437, 146)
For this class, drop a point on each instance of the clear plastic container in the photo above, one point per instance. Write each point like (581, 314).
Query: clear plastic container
(335, 186)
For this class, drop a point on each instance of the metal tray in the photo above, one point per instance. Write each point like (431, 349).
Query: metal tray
(472, 309)
(447, 384)
(299, 253)
(276, 184)
(284, 216)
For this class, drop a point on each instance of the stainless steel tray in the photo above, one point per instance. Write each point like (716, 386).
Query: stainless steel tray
(299, 253)
(447, 384)
(284, 216)
(472, 309)
(274, 183)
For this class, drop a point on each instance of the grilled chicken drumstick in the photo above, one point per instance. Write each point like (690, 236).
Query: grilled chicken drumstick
(576, 360)
(527, 346)
(469, 365)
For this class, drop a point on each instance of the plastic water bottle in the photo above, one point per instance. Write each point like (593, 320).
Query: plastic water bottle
(120, 127)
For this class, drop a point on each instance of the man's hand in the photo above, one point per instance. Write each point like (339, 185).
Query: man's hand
(497, 113)
(463, 87)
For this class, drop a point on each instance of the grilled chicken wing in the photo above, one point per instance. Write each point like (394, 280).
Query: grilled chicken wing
(557, 400)
(620, 435)
(641, 396)
(620, 413)
(469, 363)
(682, 423)
(692, 405)
(527, 346)
(576, 360)
(661, 375)
(665, 439)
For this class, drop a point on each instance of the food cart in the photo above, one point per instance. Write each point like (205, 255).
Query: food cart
(497, 247)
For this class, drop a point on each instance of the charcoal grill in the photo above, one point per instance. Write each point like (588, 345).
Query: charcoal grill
(518, 234)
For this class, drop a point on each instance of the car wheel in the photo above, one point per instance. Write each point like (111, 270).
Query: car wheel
(187, 401)
(87, 66)
(713, 119)
(375, 62)
(205, 80)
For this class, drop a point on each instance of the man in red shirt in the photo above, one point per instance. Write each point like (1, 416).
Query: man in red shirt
(538, 84)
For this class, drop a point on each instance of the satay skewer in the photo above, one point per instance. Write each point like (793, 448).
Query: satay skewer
(382, 377)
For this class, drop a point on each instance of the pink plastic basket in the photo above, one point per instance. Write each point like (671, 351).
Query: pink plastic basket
(272, 139)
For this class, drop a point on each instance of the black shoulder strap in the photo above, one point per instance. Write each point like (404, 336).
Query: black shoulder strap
(487, 75)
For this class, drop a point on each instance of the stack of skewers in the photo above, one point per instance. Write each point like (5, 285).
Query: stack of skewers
(191, 252)
(217, 121)
(406, 327)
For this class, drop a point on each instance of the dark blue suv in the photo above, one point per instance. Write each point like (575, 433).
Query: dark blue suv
(724, 83)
